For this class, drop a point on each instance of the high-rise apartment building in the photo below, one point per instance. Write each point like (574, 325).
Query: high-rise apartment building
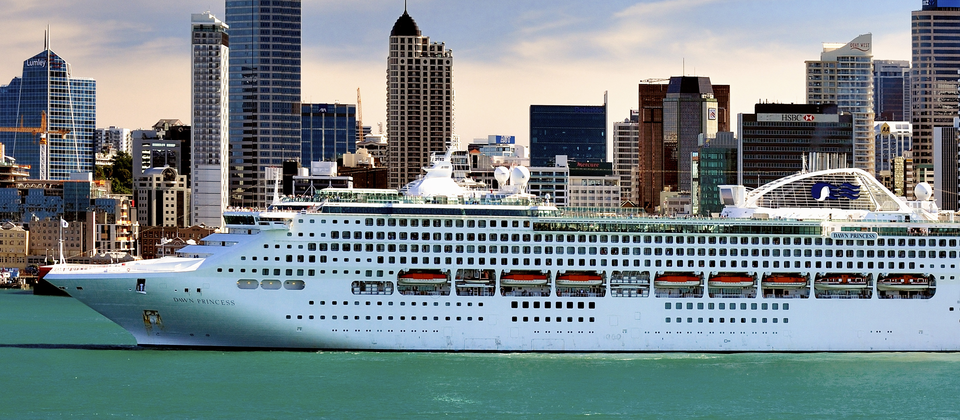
(48, 87)
(112, 140)
(329, 131)
(891, 90)
(844, 76)
(264, 94)
(209, 175)
(576, 131)
(626, 157)
(933, 80)
(419, 101)
(893, 143)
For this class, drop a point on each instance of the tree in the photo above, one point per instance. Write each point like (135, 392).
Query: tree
(120, 173)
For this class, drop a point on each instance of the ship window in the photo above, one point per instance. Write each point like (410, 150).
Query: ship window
(763, 306)
(753, 306)
(722, 306)
(774, 306)
(710, 305)
(667, 305)
(763, 320)
(667, 319)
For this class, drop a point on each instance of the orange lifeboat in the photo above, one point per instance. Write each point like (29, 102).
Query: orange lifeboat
(579, 279)
(675, 280)
(731, 281)
(422, 278)
(523, 279)
(842, 282)
(784, 281)
(904, 282)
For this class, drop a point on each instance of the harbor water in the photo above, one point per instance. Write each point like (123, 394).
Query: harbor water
(60, 359)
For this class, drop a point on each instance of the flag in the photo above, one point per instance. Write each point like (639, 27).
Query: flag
(63, 223)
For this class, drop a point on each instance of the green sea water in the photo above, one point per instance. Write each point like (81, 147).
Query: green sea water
(60, 359)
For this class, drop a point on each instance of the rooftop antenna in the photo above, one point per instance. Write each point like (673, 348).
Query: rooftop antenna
(46, 38)
(683, 66)
(404, 6)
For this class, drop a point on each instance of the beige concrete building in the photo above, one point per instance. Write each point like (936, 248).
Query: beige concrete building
(419, 101)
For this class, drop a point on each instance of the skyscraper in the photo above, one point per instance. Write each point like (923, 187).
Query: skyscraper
(209, 177)
(264, 94)
(578, 132)
(419, 100)
(891, 90)
(933, 80)
(689, 110)
(47, 86)
(844, 76)
(687, 114)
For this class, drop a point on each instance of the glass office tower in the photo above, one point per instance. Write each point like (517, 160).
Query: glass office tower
(69, 103)
(264, 94)
(577, 131)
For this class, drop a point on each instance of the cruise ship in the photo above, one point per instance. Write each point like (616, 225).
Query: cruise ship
(818, 261)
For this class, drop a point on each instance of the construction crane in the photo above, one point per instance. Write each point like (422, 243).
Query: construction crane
(43, 131)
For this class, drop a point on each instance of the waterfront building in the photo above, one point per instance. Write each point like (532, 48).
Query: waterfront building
(844, 76)
(48, 88)
(14, 246)
(328, 132)
(576, 131)
(550, 180)
(420, 101)
(209, 135)
(593, 185)
(690, 110)
(264, 94)
(933, 80)
(891, 90)
(163, 198)
(152, 236)
(626, 157)
(778, 139)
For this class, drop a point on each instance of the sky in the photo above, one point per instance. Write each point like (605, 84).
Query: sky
(508, 54)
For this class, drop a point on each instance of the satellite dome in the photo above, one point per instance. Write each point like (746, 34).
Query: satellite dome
(519, 176)
(923, 191)
(501, 174)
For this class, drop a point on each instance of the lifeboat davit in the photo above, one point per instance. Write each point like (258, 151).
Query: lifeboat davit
(579, 279)
(731, 281)
(523, 279)
(422, 278)
(842, 282)
(784, 281)
(905, 282)
(677, 280)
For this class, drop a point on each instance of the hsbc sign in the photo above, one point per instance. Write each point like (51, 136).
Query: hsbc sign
(815, 118)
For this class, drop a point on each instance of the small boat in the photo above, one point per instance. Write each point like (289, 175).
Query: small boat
(842, 282)
(731, 281)
(677, 280)
(784, 281)
(523, 279)
(904, 282)
(579, 279)
(422, 278)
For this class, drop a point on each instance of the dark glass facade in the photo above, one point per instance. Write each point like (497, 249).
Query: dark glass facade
(717, 165)
(936, 60)
(577, 131)
(891, 90)
(329, 131)
(264, 93)
(774, 149)
(69, 103)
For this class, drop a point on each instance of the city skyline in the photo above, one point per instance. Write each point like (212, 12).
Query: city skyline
(509, 55)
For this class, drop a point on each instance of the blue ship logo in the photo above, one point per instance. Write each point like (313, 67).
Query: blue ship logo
(826, 191)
